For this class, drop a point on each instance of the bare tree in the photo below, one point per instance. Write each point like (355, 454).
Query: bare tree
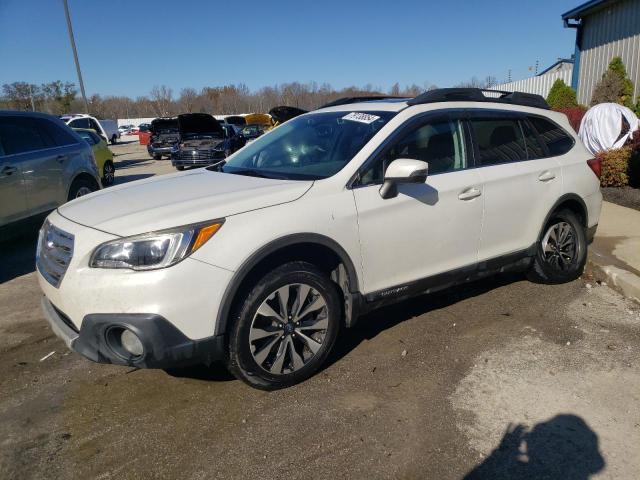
(162, 99)
(188, 100)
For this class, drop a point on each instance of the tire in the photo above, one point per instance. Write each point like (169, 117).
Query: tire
(180, 167)
(114, 140)
(81, 187)
(108, 174)
(157, 157)
(285, 349)
(563, 264)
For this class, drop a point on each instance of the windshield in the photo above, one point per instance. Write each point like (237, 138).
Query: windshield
(309, 147)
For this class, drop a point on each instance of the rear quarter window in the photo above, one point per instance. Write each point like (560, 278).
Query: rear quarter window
(59, 134)
(557, 141)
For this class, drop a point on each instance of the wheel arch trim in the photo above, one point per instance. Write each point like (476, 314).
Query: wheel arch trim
(232, 288)
(563, 199)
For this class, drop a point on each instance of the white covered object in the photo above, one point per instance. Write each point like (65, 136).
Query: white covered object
(601, 127)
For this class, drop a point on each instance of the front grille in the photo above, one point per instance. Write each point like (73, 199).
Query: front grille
(55, 250)
(199, 155)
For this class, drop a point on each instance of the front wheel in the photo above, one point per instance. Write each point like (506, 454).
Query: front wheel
(157, 157)
(180, 167)
(114, 140)
(286, 327)
(561, 251)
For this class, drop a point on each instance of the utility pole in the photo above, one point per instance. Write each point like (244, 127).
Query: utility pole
(33, 107)
(75, 55)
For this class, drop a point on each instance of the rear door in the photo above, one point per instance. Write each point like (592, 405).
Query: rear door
(521, 183)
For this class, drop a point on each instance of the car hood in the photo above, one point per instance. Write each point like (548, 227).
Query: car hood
(164, 124)
(284, 113)
(178, 199)
(201, 123)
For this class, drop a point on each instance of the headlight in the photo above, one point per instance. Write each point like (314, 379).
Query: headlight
(154, 250)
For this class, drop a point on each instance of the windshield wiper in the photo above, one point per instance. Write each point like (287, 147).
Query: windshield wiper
(249, 172)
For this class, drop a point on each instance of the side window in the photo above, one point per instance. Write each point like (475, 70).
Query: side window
(94, 125)
(57, 133)
(534, 149)
(87, 137)
(499, 140)
(439, 143)
(79, 123)
(20, 135)
(558, 142)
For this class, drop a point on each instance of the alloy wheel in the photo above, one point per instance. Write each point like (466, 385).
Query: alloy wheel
(288, 328)
(559, 246)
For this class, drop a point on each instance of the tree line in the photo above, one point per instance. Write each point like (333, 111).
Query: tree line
(60, 97)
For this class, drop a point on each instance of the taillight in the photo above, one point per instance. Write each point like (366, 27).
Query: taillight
(595, 164)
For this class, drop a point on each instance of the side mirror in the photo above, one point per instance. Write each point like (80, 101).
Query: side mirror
(403, 170)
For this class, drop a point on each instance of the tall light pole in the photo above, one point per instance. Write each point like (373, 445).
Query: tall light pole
(75, 55)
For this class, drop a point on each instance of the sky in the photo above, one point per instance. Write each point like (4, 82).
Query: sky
(127, 47)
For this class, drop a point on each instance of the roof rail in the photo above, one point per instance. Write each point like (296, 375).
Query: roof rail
(477, 95)
(364, 98)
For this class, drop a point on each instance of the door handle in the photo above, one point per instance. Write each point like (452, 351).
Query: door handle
(546, 176)
(7, 170)
(469, 193)
(61, 158)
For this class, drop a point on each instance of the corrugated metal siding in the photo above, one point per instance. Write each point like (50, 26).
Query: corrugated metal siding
(607, 33)
(540, 84)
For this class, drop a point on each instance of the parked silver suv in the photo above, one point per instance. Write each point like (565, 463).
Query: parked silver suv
(43, 164)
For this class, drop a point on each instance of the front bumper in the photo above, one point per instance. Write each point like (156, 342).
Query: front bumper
(159, 150)
(164, 345)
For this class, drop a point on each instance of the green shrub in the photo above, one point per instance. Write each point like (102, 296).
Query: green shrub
(615, 86)
(615, 167)
(561, 96)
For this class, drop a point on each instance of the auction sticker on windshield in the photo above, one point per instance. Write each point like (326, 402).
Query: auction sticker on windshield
(361, 117)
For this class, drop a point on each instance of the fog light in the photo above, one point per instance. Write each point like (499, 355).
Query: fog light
(131, 343)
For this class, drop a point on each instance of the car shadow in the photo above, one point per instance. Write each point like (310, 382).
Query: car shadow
(120, 179)
(124, 164)
(18, 253)
(384, 318)
(563, 447)
(217, 372)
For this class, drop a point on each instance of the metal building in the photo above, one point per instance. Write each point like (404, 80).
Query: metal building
(541, 83)
(604, 29)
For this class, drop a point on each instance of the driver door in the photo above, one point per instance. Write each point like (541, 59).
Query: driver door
(428, 229)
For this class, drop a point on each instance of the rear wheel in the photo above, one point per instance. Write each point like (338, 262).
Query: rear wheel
(286, 327)
(180, 167)
(108, 174)
(561, 252)
(81, 187)
(157, 157)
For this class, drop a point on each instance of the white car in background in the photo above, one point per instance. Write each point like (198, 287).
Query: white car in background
(261, 262)
(107, 128)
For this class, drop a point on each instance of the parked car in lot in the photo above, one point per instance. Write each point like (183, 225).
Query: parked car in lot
(251, 132)
(330, 215)
(164, 135)
(126, 129)
(101, 153)
(203, 141)
(107, 128)
(43, 164)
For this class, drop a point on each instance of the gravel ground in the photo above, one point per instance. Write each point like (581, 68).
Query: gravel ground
(498, 379)
(625, 196)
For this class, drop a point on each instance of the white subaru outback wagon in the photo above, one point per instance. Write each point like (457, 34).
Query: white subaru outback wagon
(260, 262)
